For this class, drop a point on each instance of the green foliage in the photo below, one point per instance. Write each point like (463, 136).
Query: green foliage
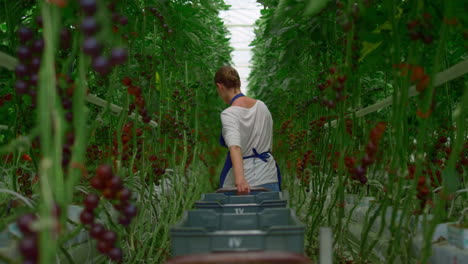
(174, 48)
(300, 51)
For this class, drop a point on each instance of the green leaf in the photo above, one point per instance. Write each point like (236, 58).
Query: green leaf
(367, 48)
(193, 38)
(371, 37)
(265, 11)
(314, 7)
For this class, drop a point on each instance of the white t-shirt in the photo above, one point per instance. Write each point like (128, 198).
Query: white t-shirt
(250, 128)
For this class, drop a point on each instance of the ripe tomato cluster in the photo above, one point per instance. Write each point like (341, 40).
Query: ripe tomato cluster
(302, 107)
(162, 21)
(286, 126)
(463, 162)
(349, 126)
(316, 128)
(295, 140)
(418, 76)
(356, 47)
(336, 82)
(24, 180)
(28, 246)
(422, 187)
(139, 101)
(65, 95)
(94, 48)
(93, 152)
(422, 81)
(359, 172)
(178, 129)
(159, 166)
(128, 132)
(346, 18)
(441, 154)
(112, 189)
(149, 70)
(432, 167)
(184, 97)
(6, 98)
(307, 158)
(65, 89)
(319, 123)
(29, 54)
(97, 152)
(421, 29)
(175, 128)
(117, 19)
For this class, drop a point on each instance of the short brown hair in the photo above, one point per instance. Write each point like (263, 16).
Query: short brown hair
(228, 76)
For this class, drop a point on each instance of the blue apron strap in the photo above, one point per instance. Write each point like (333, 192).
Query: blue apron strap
(221, 141)
(278, 172)
(227, 163)
(263, 156)
(235, 97)
(226, 168)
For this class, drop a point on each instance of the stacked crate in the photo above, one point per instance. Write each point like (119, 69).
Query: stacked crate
(240, 223)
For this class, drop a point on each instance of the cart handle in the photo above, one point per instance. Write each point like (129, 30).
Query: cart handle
(234, 189)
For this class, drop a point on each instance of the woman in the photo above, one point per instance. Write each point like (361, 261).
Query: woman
(248, 134)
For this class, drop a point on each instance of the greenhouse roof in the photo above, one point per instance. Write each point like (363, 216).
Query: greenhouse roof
(240, 21)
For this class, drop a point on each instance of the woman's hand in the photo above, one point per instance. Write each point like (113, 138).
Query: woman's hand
(242, 185)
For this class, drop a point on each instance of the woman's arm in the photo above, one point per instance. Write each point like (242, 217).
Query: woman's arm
(238, 167)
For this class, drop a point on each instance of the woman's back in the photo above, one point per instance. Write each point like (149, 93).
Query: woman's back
(250, 128)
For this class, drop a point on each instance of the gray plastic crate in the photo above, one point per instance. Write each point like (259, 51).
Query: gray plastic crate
(205, 231)
(240, 204)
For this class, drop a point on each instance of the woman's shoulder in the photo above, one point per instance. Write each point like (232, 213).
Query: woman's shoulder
(261, 104)
(232, 110)
(229, 112)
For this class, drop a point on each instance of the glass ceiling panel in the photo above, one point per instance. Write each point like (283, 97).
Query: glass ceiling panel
(240, 20)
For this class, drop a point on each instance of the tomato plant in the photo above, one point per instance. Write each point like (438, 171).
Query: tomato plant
(361, 75)
(102, 109)
(108, 110)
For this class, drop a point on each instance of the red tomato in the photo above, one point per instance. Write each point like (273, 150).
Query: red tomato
(26, 157)
(417, 73)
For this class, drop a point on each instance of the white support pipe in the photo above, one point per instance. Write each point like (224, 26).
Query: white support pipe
(91, 98)
(326, 245)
